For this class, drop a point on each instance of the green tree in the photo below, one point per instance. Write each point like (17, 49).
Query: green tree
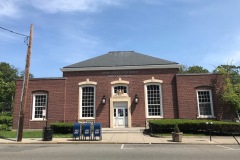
(22, 74)
(8, 75)
(193, 69)
(231, 90)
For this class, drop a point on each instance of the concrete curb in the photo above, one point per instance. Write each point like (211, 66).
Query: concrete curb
(116, 142)
(130, 138)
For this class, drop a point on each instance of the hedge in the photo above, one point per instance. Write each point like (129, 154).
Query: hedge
(6, 114)
(194, 126)
(7, 120)
(3, 127)
(61, 127)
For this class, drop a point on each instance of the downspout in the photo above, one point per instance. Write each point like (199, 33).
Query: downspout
(65, 103)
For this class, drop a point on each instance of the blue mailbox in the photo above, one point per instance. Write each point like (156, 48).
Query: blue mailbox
(97, 130)
(87, 130)
(77, 130)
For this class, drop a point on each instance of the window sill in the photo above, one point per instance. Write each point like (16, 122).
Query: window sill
(155, 117)
(38, 120)
(85, 118)
(199, 117)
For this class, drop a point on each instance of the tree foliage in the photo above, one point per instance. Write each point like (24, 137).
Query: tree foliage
(193, 69)
(6, 90)
(9, 73)
(22, 74)
(8, 76)
(231, 91)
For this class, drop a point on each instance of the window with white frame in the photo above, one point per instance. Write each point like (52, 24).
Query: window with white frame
(39, 104)
(205, 105)
(87, 109)
(153, 96)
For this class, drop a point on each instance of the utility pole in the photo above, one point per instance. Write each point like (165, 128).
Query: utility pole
(25, 88)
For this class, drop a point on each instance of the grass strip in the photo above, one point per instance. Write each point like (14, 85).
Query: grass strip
(30, 134)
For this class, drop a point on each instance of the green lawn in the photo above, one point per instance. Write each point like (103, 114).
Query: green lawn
(30, 134)
(38, 134)
(184, 134)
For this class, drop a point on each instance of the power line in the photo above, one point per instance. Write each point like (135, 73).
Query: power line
(20, 34)
(14, 32)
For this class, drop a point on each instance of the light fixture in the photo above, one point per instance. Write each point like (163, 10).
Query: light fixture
(136, 99)
(103, 100)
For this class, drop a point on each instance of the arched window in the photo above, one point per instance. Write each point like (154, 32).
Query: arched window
(87, 98)
(205, 104)
(39, 105)
(87, 108)
(153, 98)
(120, 88)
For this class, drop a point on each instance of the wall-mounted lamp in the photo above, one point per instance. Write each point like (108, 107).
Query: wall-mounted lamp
(136, 99)
(103, 100)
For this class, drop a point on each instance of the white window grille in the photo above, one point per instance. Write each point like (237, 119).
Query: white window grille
(87, 102)
(205, 105)
(120, 88)
(39, 104)
(154, 100)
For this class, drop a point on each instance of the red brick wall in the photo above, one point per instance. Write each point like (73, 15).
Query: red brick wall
(179, 95)
(136, 86)
(187, 98)
(56, 101)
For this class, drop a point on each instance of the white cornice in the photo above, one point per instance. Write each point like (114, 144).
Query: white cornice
(120, 68)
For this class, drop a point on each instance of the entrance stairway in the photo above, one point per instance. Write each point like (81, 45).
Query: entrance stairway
(124, 130)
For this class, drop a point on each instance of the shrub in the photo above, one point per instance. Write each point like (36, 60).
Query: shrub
(176, 129)
(194, 126)
(6, 114)
(7, 120)
(3, 127)
(61, 127)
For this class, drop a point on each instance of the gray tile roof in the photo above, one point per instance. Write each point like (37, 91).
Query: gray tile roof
(121, 59)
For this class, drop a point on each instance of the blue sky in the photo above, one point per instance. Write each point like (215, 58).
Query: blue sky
(190, 32)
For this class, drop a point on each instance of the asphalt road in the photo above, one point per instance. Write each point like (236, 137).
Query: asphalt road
(118, 152)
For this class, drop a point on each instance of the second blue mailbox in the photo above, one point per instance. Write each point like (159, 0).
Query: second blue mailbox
(87, 130)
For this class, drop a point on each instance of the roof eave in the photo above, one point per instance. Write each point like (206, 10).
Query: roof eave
(121, 68)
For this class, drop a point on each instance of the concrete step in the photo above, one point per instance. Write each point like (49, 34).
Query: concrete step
(123, 130)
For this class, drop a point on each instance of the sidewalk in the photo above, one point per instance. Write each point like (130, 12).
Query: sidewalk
(130, 137)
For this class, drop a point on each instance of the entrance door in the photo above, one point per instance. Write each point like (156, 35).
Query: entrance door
(120, 118)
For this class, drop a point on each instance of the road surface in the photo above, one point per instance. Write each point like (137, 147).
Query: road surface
(118, 152)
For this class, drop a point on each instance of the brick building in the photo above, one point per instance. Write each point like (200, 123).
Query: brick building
(122, 89)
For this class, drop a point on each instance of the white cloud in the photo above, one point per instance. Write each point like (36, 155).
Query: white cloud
(9, 8)
(55, 6)
(9, 38)
(14, 8)
(82, 43)
(6, 37)
(223, 58)
(234, 57)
